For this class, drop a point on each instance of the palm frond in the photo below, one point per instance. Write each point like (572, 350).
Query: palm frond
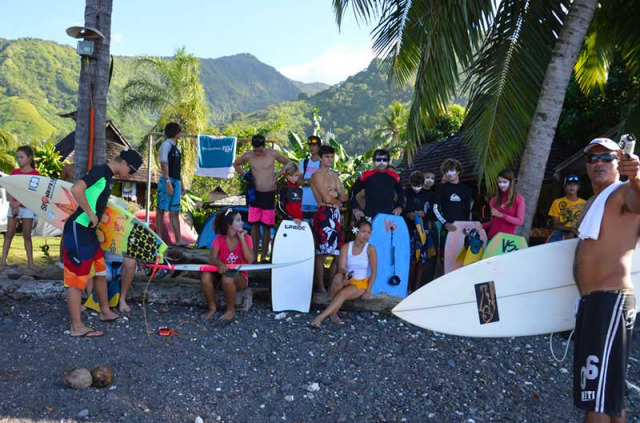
(505, 82)
(363, 10)
(611, 30)
(454, 31)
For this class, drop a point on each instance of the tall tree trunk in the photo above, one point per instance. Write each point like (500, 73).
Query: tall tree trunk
(94, 82)
(545, 119)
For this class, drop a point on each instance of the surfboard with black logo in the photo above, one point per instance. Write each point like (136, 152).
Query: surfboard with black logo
(526, 292)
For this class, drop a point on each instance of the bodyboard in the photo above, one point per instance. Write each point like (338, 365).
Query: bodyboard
(292, 286)
(381, 230)
(504, 243)
(455, 243)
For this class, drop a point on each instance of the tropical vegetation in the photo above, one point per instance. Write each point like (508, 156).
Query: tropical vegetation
(516, 59)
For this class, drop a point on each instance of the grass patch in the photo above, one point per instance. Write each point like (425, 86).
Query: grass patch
(18, 254)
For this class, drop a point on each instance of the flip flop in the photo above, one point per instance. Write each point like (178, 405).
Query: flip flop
(225, 322)
(315, 324)
(88, 333)
(114, 320)
(335, 319)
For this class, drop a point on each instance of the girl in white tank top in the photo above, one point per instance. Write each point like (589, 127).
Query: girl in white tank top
(358, 266)
(356, 273)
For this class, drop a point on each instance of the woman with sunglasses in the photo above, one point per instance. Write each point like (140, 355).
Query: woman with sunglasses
(565, 212)
(383, 191)
(232, 247)
(507, 207)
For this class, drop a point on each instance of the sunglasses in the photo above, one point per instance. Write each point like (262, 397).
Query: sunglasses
(570, 179)
(381, 160)
(605, 157)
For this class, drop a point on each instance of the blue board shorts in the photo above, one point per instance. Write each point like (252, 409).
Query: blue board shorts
(168, 202)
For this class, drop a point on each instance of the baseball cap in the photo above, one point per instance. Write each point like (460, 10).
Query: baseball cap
(133, 159)
(314, 139)
(571, 179)
(605, 142)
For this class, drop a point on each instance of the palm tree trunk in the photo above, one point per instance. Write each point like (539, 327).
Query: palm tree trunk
(94, 81)
(545, 119)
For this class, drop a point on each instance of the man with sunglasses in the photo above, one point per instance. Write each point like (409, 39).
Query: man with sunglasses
(83, 258)
(382, 189)
(565, 212)
(608, 231)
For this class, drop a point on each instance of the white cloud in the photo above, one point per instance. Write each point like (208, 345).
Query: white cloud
(332, 66)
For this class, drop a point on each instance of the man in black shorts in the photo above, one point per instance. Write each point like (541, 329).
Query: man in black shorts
(608, 234)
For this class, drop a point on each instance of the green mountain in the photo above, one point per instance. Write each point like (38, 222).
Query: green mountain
(39, 81)
(242, 83)
(350, 110)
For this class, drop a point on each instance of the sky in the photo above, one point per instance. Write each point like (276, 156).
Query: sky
(299, 38)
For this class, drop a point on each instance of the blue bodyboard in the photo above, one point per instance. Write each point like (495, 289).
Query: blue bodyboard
(383, 224)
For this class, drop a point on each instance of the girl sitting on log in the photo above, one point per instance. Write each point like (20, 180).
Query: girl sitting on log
(357, 265)
(232, 247)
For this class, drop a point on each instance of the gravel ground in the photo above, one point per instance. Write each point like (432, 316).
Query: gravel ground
(374, 368)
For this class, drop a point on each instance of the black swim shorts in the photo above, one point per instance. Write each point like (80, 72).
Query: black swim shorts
(604, 325)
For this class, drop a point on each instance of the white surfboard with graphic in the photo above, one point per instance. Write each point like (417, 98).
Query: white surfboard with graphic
(525, 292)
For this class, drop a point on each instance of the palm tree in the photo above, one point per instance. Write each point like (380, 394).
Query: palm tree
(93, 88)
(517, 58)
(393, 131)
(173, 89)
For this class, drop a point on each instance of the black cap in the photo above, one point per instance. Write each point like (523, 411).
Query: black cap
(133, 159)
(258, 140)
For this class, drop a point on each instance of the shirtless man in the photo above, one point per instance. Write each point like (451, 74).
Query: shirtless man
(602, 270)
(327, 231)
(262, 210)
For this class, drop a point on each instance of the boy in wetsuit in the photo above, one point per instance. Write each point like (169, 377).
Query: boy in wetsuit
(383, 191)
(290, 194)
(83, 257)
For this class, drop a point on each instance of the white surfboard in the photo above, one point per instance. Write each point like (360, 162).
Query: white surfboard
(291, 286)
(526, 292)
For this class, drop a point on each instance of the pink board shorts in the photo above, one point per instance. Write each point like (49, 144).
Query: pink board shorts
(262, 209)
(267, 217)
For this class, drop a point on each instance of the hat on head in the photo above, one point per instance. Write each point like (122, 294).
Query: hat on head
(132, 157)
(605, 142)
(571, 179)
(314, 139)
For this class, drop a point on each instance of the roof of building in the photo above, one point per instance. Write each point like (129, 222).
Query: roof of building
(430, 156)
(115, 142)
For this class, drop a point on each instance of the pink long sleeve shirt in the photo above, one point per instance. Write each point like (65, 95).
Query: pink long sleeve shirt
(513, 216)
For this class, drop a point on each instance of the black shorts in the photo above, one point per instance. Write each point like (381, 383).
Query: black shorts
(264, 200)
(604, 325)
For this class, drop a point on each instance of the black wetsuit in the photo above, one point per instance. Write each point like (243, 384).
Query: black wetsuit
(453, 202)
(383, 192)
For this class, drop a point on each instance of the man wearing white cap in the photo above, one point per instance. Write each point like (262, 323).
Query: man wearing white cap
(602, 270)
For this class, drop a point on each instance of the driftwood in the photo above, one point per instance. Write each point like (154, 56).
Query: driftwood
(187, 255)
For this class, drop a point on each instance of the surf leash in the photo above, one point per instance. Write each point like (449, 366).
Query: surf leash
(566, 350)
(163, 331)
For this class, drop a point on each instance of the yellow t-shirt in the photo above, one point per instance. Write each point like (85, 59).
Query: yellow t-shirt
(567, 211)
